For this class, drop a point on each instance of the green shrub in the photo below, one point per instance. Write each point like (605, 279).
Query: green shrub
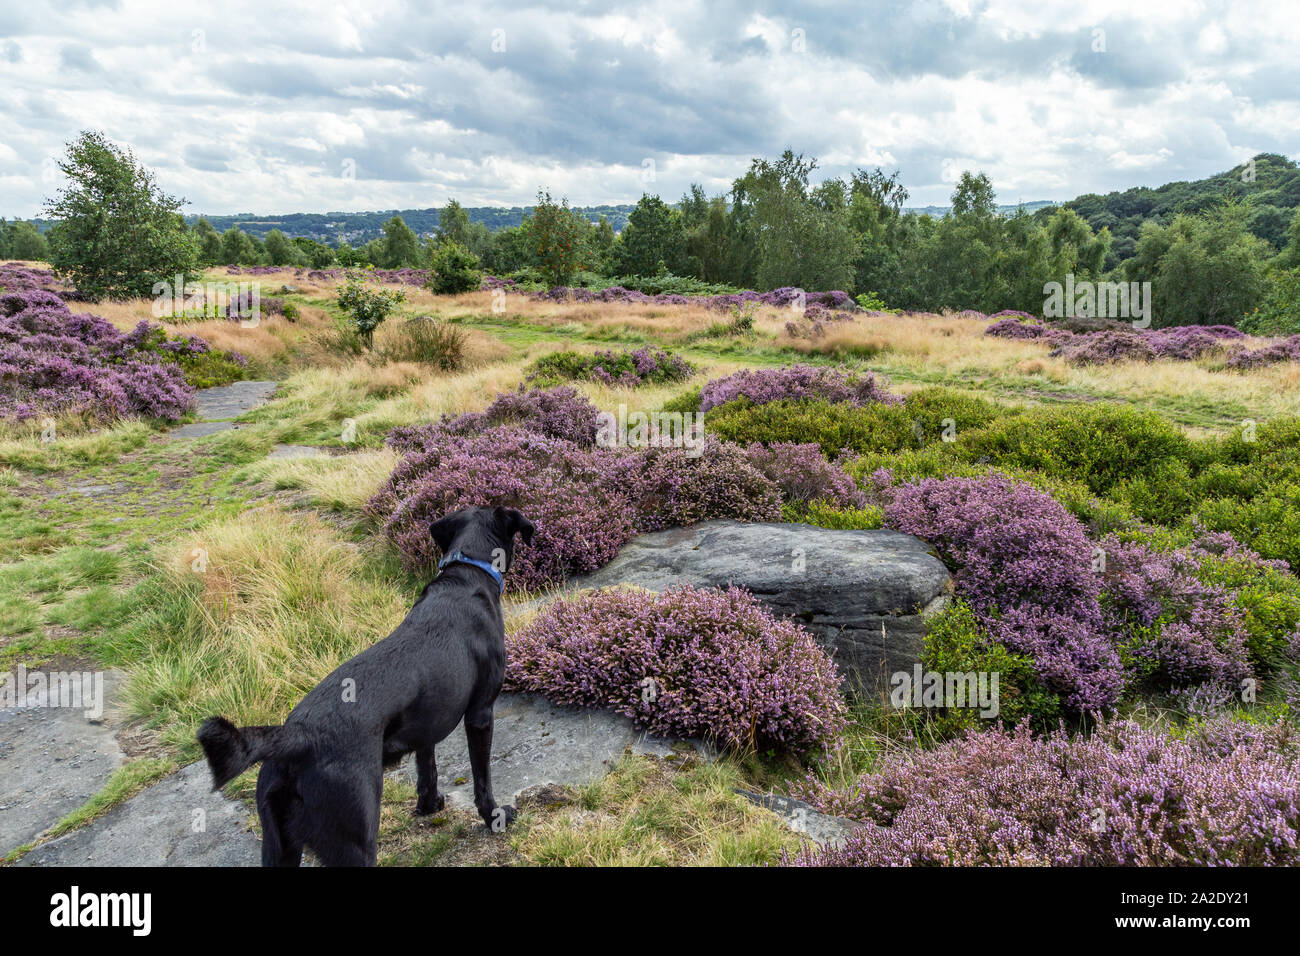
(290, 311)
(825, 515)
(955, 643)
(687, 401)
(1100, 445)
(937, 410)
(833, 426)
(1269, 600)
(367, 307)
(455, 269)
(646, 365)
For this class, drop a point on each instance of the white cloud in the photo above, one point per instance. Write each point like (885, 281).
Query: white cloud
(247, 106)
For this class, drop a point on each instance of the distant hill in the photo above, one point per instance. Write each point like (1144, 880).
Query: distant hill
(1272, 194)
(1029, 207)
(361, 227)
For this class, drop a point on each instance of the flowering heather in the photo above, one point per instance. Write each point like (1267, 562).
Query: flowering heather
(527, 452)
(1104, 348)
(694, 663)
(628, 368)
(804, 475)
(559, 412)
(779, 298)
(1288, 350)
(416, 277)
(1189, 633)
(1024, 564)
(761, 386)
(1227, 795)
(1183, 343)
(52, 361)
(672, 487)
(581, 515)
(1008, 543)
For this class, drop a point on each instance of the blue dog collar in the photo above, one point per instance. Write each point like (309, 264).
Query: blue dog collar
(457, 557)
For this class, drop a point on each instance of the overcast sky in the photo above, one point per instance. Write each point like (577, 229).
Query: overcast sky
(315, 106)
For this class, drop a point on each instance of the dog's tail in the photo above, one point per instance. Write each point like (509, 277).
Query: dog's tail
(231, 750)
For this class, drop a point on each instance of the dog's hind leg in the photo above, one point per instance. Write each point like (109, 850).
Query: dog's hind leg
(478, 734)
(426, 783)
(342, 805)
(278, 807)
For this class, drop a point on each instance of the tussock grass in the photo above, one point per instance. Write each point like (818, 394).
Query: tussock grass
(337, 483)
(249, 614)
(22, 447)
(647, 813)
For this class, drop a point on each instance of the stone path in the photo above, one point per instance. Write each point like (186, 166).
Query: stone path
(178, 821)
(535, 742)
(52, 760)
(216, 406)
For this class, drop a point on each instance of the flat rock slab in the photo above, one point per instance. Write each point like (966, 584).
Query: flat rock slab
(865, 595)
(821, 828)
(231, 401)
(178, 821)
(52, 760)
(200, 429)
(535, 742)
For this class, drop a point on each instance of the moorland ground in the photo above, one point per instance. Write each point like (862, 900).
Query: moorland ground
(98, 530)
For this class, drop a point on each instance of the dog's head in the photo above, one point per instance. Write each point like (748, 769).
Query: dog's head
(487, 534)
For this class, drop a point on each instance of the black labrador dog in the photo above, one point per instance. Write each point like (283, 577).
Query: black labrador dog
(322, 770)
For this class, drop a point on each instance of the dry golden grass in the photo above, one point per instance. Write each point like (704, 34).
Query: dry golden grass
(336, 482)
(256, 610)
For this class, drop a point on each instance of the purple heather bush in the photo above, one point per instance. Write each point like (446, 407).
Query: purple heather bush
(1226, 795)
(560, 412)
(1288, 350)
(675, 487)
(53, 361)
(761, 386)
(803, 475)
(1024, 565)
(704, 663)
(565, 488)
(783, 297)
(1104, 348)
(535, 451)
(1008, 542)
(648, 364)
(1184, 343)
(1185, 632)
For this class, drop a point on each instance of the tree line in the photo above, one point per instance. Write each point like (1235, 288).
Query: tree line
(776, 226)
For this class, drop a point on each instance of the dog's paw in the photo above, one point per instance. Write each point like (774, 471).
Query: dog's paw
(499, 819)
(426, 805)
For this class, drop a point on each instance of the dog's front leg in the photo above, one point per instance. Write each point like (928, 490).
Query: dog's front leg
(426, 783)
(478, 733)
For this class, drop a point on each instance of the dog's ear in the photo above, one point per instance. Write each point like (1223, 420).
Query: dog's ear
(445, 529)
(513, 522)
